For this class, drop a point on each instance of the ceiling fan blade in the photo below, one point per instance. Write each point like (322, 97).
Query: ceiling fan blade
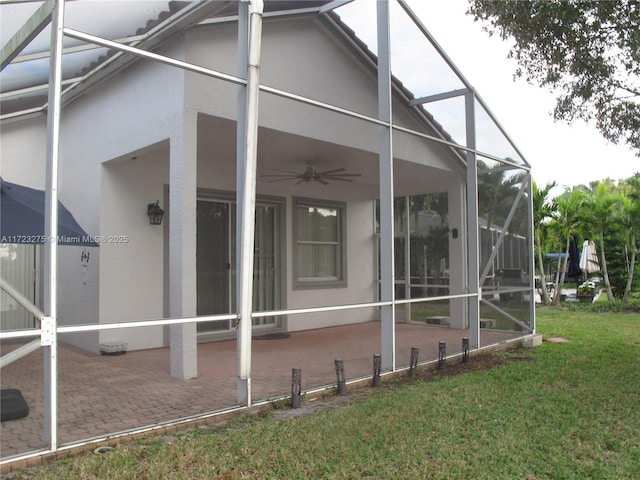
(340, 179)
(287, 171)
(329, 172)
(310, 175)
(281, 176)
(338, 175)
(282, 179)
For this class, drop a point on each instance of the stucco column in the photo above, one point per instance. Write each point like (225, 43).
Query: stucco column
(473, 240)
(457, 253)
(182, 248)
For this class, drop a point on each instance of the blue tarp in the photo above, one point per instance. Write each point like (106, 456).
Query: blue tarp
(556, 256)
(22, 218)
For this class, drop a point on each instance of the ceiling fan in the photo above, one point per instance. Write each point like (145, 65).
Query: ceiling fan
(311, 175)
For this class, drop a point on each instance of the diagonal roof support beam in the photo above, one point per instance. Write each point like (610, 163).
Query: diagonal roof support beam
(30, 30)
(503, 168)
(138, 52)
(503, 231)
(35, 88)
(78, 48)
(506, 314)
(23, 301)
(333, 5)
(439, 96)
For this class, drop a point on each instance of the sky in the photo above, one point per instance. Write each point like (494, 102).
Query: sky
(567, 154)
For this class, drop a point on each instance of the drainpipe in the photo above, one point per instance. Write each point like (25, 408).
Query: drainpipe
(249, 204)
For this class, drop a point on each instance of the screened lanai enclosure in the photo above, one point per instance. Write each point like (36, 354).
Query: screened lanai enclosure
(256, 187)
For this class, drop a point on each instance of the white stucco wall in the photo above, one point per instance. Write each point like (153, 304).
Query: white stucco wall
(77, 300)
(115, 153)
(361, 285)
(23, 151)
(458, 283)
(132, 270)
(361, 281)
(115, 120)
(303, 57)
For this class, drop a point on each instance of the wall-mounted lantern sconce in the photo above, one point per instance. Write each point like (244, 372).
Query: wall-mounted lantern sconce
(155, 213)
(454, 233)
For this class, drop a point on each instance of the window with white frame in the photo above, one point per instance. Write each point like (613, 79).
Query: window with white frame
(319, 233)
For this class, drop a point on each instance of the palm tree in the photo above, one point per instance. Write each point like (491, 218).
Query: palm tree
(543, 209)
(601, 216)
(630, 213)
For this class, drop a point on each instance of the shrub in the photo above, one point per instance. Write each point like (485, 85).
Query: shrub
(632, 306)
(587, 288)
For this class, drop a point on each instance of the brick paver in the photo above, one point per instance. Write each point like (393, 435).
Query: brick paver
(100, 395)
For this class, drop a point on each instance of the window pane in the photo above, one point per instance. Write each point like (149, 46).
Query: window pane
(327, 225)
(326, 261)
(305, 223)
(317, 261)
(318, 241)
(305, 261)
(317, 224)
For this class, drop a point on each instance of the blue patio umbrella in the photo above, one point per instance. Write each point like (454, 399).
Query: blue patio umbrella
(22, 218)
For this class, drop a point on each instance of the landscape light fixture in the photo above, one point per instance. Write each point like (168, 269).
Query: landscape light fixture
(377, 366)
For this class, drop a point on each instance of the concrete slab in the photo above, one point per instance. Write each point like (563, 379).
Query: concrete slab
(532, 341)
(557, 340)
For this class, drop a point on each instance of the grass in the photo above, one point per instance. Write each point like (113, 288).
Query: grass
(570, 412)
(519, 309)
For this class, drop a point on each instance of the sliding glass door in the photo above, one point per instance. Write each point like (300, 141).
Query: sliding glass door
(216, 262)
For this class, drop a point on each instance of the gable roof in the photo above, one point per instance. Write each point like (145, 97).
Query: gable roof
(23, 92)
(179, 16)
(17, 100)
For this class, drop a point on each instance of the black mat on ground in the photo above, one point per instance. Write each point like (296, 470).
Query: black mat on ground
(12, 405)
(273, 336)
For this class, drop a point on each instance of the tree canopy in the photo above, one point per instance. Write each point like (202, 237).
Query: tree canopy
(605, 212)
(588, 51)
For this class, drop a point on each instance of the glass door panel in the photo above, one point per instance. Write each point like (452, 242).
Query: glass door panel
(264, 264)
(212, 250)
(217, 265)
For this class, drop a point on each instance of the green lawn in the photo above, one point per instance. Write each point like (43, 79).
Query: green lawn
(570, 412)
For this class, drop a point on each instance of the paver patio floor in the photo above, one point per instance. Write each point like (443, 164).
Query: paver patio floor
(100, 395)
